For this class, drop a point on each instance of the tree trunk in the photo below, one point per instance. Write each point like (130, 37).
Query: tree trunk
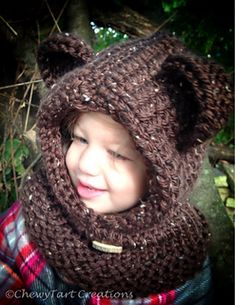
(125, 21)
(78, 20)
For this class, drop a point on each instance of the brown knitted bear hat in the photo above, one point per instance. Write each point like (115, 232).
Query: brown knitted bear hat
(171, 102)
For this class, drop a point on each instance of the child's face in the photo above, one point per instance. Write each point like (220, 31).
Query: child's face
(106, 169)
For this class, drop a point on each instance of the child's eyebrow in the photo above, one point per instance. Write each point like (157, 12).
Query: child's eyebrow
(77, 128)
(113, 140)
(122, 142)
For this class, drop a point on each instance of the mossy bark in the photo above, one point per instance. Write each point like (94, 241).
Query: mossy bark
(206, 197)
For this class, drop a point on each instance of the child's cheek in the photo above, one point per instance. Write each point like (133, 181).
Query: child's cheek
(70, 161)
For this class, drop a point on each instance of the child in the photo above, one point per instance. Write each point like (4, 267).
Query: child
(106, 218)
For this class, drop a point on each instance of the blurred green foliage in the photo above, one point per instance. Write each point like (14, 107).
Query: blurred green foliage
(106, 37)
(205, 26)
(170, 6)
(226, 135)
(13, 154)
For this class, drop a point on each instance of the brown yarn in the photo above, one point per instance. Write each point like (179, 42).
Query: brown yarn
(171, 102)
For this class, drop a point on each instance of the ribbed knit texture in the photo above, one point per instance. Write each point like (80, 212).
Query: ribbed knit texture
(171, 102)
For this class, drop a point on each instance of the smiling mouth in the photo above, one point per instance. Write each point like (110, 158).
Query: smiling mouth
(88, 192)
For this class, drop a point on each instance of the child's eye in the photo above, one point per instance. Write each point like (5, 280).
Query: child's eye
(80, 139)
(117, 155)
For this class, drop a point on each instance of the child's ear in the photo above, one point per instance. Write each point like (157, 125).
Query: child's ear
(61, 53)
(201, 95)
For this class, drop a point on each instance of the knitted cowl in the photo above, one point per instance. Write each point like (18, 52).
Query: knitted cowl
(171, 102)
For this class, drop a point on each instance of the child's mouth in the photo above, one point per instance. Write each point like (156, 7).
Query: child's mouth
(87, 191)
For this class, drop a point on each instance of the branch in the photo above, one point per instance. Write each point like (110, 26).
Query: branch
(220, 152)
(125, 21)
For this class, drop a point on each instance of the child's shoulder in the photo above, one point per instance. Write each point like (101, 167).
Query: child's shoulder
(19, 256)
(10, 215)
(11, 229)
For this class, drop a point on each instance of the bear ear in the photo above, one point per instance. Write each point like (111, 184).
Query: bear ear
(61, 53)
(201, 94)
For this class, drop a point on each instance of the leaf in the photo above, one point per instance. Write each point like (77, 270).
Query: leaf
(221, 181)
(8, 147)
(19, 152)
(230, 203)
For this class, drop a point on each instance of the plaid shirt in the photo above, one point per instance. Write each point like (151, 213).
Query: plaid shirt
(26, 278)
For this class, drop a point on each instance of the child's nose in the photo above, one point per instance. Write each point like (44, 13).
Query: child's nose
(89, 162)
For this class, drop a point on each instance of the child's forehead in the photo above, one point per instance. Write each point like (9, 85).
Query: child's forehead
(100, 123)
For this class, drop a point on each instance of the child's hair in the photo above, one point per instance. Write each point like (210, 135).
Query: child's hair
(67, 128)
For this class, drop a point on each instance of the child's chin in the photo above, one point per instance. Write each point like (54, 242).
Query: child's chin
(93, 204)
(97, 209)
